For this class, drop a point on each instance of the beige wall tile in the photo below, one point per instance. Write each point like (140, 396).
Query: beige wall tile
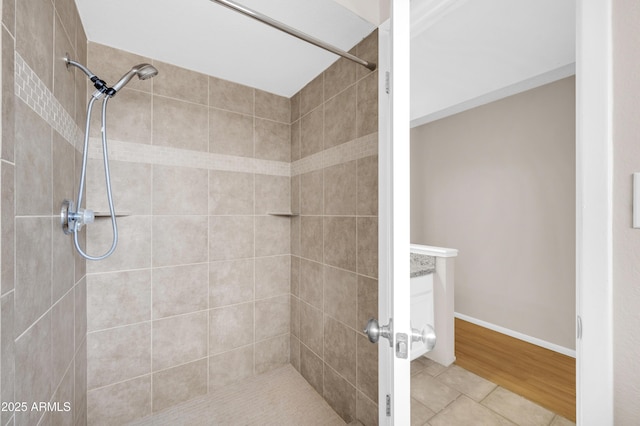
(180, 290)
(231, 237)
(230, 193)
(295, 235)
(9, 16)
(341, 295)
(272, 140)
(311, 334)
(295, 316)
(118, 298)
(273, 276)
(127, 198)
(62, 395)
(295, 194)
(68, 13)
(230, 367)
(272, 107)
(230, 133)
(178, 340)
(311, 283)
(230, 96)
(311, 368)
(273, 194)
(180, 124)
(80, 383)
(33, 270)
(63, 173)
(230, 327)
(295, 107)
(367, 111)
(273, 318)
(311, 132)
(64, 87)
(180, 83)
(294, 352)
(367, 300)
(179, 240)
(62, 335)
(33, 368)
(312, 95)
(80, 312)
(340, 189)
(7, 352)
(231, 282)
(179, 384)
(272, 235)
(34, 36)
(118, 354)
(311, 193)
(311, 238)
(368, 246)
(272, 353)
(180, 190)
(340, 75)
(8, 88)
(33, 163)
(340, 242)
(340, 394)
(367, 49)
(367, 183)
(128, 116)
(7, 227)
(340, 118)
(62, 262)
(120, 403)
(295, 140)
(367, 362)
(340, 348)
(134, 244)
(366, 410)
(295, 275)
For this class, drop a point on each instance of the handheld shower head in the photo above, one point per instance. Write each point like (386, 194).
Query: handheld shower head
(143, 71)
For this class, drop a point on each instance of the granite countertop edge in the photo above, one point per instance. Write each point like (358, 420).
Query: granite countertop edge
(421, 264)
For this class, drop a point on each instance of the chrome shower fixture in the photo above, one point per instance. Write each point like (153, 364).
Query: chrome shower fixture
(143, 71)
(72, 216)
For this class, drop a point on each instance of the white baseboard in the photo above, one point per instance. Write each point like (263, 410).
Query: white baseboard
(518, 335)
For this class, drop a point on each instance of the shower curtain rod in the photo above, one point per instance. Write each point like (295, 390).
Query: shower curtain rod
(292, 31)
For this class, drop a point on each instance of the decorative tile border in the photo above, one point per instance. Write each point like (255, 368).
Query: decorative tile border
(35, 93)
(349, 151)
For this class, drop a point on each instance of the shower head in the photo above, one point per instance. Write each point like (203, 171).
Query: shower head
(143, 71)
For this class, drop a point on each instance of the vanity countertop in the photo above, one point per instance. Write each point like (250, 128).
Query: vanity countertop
(421, 264)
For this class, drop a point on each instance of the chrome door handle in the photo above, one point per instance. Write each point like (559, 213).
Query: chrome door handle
(374, 331)
(426, 336)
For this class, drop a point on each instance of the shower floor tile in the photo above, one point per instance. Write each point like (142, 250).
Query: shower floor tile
(281, 397)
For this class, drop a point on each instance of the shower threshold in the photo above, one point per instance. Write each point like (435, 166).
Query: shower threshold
(279, 397)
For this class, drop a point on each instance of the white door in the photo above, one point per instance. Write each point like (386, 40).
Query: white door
(394, 331)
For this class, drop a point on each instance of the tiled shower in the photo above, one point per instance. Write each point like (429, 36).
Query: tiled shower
(207, 286)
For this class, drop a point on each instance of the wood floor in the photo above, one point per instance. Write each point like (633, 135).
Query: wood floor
(540, 375)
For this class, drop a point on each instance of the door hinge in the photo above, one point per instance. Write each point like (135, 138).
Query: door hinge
(387, 82)
(388, 405)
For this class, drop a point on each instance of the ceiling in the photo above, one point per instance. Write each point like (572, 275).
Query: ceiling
(464, 52)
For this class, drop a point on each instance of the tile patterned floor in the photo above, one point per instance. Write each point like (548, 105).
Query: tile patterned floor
(452, 396)
(440, 396)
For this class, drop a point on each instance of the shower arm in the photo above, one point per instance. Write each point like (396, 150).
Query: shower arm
(99, 84)
(292, 31)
